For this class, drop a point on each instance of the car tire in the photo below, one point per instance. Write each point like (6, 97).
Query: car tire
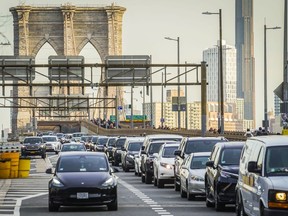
(208, 203)
(239, 206)
(183, 193)
(148, 178)
(142, 178)
(43, 155)
(160, 183)
(189, 195)
(53, 207)
(113, 206)
(155, 181)
(176, 186)
(218, 206)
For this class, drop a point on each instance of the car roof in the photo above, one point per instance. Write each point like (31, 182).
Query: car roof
(165, 141)
(82, 153)
(171, 144)
(206, 138)
(231, 144)
(272, 140)
(201, 154)
(163, 135)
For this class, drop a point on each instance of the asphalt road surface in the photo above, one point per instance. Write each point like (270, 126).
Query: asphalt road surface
(29, 196)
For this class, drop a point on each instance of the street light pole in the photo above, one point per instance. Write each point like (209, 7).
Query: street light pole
(162, 98)
(178, 75)
(265, 77)
(220, 68)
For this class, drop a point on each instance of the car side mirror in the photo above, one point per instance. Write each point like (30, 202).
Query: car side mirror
(142, 147)
(123, 148)
(177, 152)
(210, 164)
(49, 170)
(252, 167)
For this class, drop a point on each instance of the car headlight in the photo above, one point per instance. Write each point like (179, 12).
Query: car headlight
(57, 183)
(277, 199)
(225, 174)
(109, 182)
(197, 178)
(130, 156)
(166, 165)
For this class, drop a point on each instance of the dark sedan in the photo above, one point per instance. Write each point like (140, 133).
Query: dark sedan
(82, 178)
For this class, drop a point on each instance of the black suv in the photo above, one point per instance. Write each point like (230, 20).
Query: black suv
(222, 174)
(33, 146)
(147, 158)
(117, 150)
(192, 145)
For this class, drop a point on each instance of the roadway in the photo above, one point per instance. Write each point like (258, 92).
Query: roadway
(29, 196)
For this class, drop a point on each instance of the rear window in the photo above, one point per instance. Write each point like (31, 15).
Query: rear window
(168, 152)
(135, 146)
(154, 148)
(120, 142)
(230, 156)
(199, 162)
(49, 139)
(193, 146)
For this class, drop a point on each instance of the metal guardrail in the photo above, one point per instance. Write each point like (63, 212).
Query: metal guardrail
(95, 129)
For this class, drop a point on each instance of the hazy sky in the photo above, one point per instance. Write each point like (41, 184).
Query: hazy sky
(146, 23)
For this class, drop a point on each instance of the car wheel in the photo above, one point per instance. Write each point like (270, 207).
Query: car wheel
(160, 183)
(148, 178)
(116, 163)
(176, 186)
(43, 155)
(239, 206)
(142, 178)
(208, 203)
(126, 169)
(218, 206)
(113, 206)
(155, 181)
(53, 207)
(189, 195)
(183, 193)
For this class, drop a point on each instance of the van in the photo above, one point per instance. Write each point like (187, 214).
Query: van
(262, 186)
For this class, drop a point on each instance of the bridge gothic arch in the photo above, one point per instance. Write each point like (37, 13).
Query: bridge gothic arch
(67, 29)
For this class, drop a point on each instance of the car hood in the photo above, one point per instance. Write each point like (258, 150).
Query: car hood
(75, 179)
(167, 160)
(231, 169)
(279, 182)
(133, 152)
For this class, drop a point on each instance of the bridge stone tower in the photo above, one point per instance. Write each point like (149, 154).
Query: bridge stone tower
(67, 29)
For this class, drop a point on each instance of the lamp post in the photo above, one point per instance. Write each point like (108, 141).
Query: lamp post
(265, 76)
(162, 98)
(220, 68)
(143, 106)
(178, 75)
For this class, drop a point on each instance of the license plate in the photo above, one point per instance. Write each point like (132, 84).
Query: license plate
(82, 196)
(32, 152)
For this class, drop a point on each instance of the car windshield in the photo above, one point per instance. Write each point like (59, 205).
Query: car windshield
(33, 140)
(76, 147)
(86, 138)
(200, 146)
(120, 142)
(81, 163)
(111, 141)
(154, 148)
(168, 151)
(199, 162)
(49, 139)
(102, 141)
(135, 146)
(277, 161)
(230, 156)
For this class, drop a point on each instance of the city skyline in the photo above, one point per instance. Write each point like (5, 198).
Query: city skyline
(144, 25)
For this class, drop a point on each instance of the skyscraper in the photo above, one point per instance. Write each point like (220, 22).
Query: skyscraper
(245, 56)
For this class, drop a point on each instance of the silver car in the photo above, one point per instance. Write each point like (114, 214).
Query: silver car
(192, 175)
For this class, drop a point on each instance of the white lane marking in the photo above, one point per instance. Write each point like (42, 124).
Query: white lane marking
(19, 202)
(156, 208)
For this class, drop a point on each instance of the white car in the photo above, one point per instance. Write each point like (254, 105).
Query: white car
(192, 175)
(164, 164)
(137, 159)
(52, 144)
